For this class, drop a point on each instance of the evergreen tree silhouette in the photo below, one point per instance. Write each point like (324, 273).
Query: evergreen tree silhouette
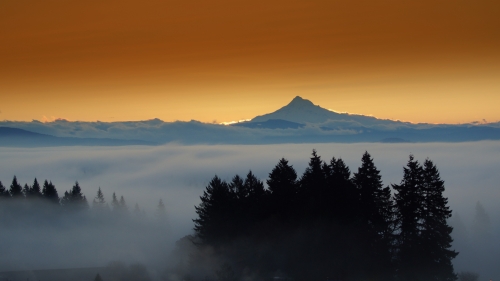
(4, 193)
(137, 211)
(74, 199)
(99, 203)
(123, 205)
(436, 233)
(213, 213)
(237, 188)
(341, 194)
(16, 190)
(377, 211)
(254, 205)
(161, 212)
(115, 204)
(98, 277)
(35, 190)
(282, 184)
(49, 192)
(27, 191)
(409, 202)
(312, 187)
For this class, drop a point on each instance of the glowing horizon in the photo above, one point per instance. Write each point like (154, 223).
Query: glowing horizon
(421, 62)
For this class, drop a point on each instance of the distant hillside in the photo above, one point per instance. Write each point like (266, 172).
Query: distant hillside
(300, 121)
(22, 138)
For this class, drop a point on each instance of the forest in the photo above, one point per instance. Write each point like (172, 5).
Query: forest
(327, 224)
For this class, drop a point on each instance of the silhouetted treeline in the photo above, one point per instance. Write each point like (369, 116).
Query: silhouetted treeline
(18, 201)
(329, 223)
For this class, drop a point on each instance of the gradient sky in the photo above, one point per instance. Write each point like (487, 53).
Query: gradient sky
(421, 61)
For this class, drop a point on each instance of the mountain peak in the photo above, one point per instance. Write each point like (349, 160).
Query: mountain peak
(299, 101)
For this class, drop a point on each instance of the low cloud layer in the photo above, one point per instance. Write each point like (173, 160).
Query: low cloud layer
(178, 174)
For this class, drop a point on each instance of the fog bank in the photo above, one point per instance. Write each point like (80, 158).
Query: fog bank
(178, 174)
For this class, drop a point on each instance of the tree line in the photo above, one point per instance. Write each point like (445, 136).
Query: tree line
(73, 199)
(329, 223)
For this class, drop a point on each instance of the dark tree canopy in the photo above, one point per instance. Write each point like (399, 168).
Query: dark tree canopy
(16, 190)
(330, 223)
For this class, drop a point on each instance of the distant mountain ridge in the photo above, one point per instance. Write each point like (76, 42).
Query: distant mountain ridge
(300, 121)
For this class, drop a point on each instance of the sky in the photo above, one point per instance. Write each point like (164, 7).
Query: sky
(419, 61)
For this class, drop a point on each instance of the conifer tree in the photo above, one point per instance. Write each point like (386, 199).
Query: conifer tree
(409, 203)
(16, 190)
(35, 190)
(312, 187)
(213, 213)
(49, 192)
(98, 277)
(237, 188)
(123, 205)
(161, 212)
(436, 233)
(99, 203)
(26, 190)
(74, 199)
(282, 184)
(114, 203)
(255, 204)
(137, 211)
(376, 210)
(341, 194)
(375, 200)
(4, 193)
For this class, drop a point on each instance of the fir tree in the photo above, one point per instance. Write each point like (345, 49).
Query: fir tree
(282, 184)
(312, 187)
(436, 233)
(4, 193)
(123, 205)
(376, 210)
(213, 213)
(74, 199)
(49, 192)
(161, 212)
(98, 277)
(27, 191)
(35, 190)
(99, 203)
(409, 202)
(115, 204)
(16, 190)
(342, 198)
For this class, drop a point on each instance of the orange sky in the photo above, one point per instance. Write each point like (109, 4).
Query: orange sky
(432, 61)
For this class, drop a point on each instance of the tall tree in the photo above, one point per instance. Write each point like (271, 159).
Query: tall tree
(74, 199)
(213, 213)
(282, 184)
(99, 203)
(341, 194)
(49, 192)
(161, 212)
(35, 191)
(436, 233)
(16, 190)
(4, 193)
(27, 191)
(312, 187)
(376, 210)
(409, 202)
(115, 203)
